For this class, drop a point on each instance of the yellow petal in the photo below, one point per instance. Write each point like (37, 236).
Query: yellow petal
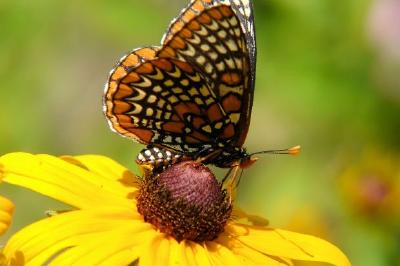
(249, 256)
(71, 183)
(186, 251)
(286, 244)
(177, 254)
(200, 254)
(162, 251)
(40, 241)
(104, 167)
(156, 253)
(118, 247)
(220, 255)
(6, 211)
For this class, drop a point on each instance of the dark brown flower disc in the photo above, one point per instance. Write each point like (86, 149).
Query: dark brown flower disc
(185, 201)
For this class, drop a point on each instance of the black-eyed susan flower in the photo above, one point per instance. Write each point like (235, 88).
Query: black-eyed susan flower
(180, 217)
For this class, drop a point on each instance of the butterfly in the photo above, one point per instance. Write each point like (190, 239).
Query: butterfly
(191, 97)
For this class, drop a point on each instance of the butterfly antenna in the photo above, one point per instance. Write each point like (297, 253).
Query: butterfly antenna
(291, 151)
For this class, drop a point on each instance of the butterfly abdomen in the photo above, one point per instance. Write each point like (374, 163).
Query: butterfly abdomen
(158, 159)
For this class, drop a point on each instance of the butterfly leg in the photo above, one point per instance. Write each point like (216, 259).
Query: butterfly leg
(227, 175)
(146, 170)
(231, 181)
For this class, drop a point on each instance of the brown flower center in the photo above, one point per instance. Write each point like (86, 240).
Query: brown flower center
(185, 201)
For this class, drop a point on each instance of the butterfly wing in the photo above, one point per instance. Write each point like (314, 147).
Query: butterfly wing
(194, 91)
(244, 10)
(115, 93)
(164, 102)
(218, 37)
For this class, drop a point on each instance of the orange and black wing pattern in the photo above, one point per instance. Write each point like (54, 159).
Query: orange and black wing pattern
(167, 103)
(218, 37)
(117, 90)
(193, 94)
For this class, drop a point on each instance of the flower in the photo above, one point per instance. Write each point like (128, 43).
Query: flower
(6, 211)
(104, 227)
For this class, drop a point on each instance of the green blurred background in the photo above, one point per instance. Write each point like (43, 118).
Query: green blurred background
(328, 78)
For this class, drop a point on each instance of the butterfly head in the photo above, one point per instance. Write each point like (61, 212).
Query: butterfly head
(247, 161)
